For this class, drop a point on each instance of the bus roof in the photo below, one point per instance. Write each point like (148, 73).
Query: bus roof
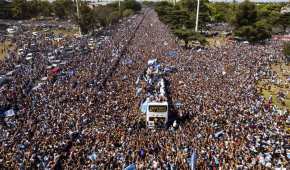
(158, 103)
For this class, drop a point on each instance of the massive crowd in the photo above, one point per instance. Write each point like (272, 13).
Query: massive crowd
(76, 104)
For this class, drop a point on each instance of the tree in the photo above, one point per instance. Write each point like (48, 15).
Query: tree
(184, 34)
(46, 8)
(246, 14)
(131, 4)
(255, 33)
(284, 21)
(102, 15)
(59, 9)
(87, 19)
(163, 8)
(263, 30)
(178, 19)
(270, 13)
(5, 10)
(181, 18)
(23, 9)
(221, 12)
(148, 3)
(114, 17)
(286, 51)
(191, 5)
(246, 32)
(247, 24)
(19, 9)
(33, 8)
(189, 35)
(127, 12)
(64, 8)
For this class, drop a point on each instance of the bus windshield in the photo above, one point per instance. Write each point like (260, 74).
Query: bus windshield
(158, 108)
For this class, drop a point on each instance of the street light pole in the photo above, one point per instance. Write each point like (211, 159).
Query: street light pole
(78, 13)
(120, 7)
(197, 13)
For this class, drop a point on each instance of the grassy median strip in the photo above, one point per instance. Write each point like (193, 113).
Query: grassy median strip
(4, 49)
(65, 32)
(269, 88)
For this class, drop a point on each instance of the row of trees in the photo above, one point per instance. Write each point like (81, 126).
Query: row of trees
(248, 25)
(222, 12)
(23, 9)
(257, 23)
(91, 17)
(181, 18)
(252, 22)
(103, 16)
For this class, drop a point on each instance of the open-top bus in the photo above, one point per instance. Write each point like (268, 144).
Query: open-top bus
(155, 105)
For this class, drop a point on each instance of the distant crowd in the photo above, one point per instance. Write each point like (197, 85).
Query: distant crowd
(70, 102)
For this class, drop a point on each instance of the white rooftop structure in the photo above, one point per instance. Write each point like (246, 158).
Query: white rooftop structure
(285, 9)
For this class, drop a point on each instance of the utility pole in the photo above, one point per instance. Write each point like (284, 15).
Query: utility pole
(120, 7)
(79, 18)
(234, 5)
(197, 13)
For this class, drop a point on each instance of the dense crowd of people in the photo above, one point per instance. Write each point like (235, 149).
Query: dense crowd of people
(76, 105)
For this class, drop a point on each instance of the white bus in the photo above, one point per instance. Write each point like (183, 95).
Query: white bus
(155, 106)
(157, 114)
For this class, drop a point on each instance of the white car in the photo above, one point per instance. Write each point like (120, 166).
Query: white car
(11, 30)
(20, 51)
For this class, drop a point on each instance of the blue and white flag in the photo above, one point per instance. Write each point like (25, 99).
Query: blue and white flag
(218, 134)
(93, 156)
(138, 91)
(193, 161)
(7, 113)
(71, 72)
(144, 106)
(172, 53)
(152, 62)
(131, 167)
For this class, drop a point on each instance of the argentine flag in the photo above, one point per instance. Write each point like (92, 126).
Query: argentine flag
(131, 167)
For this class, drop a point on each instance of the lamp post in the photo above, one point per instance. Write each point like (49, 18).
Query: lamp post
(120, 7)
(197, 13)
(78, 14)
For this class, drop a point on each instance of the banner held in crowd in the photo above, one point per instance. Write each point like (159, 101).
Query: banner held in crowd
(8, 113)
(131, 167)
(193, 160)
